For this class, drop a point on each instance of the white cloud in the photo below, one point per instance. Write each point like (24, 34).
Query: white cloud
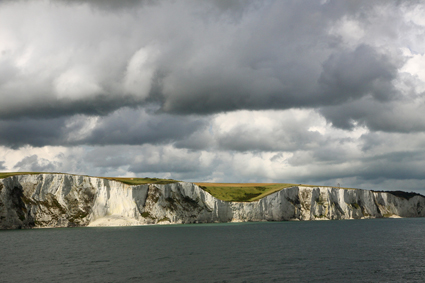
(80, 127)
(12, 156)
(76, 83)
(139, 73)
(349, 30)
(415, 15)
(415, 67)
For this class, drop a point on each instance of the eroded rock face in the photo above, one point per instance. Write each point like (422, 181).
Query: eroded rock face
(62, 200)
(48, 200)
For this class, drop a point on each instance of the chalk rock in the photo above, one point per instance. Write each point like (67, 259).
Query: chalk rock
(64, 200)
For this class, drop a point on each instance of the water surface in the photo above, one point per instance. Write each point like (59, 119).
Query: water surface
(376, 250)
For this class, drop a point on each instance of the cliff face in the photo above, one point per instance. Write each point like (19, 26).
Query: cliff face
(60, 200)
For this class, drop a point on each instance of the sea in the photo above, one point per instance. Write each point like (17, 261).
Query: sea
(373, 250)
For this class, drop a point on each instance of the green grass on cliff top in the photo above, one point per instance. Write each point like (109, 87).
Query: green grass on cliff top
(246, 192)
(141, 181)
(10, 174)
(128, 181)
(243, 192)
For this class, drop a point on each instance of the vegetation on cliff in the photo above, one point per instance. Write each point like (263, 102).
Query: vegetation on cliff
(242, 191)
(236, 192)
(128, 181)
(141, 181)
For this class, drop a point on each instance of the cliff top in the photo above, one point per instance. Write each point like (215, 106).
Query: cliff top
(128, 181)
(141, 181)
(246, 191)
(242, 191)
(239, 192)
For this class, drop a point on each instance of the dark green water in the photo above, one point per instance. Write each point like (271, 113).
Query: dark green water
(378, 250)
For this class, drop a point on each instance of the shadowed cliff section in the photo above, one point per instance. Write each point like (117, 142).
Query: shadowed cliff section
(402, 194)
(64, 200)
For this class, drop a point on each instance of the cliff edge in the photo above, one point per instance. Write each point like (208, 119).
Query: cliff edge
(63, 200)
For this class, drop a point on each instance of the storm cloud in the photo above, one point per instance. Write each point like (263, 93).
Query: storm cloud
(124, 126)
(189, 57)
(281, 91)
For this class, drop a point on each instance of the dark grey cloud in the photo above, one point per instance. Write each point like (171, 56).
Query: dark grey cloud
(401, 115)
(395, 165)
(351, 75)
(45, 108)
(291, 91)
(131, 127)
(192, 57)
(35, 164)
(17, 133)
(85, 67)
(289, 136)
(198, 140)
(344, 76)
(110, 5)
(125, 126)
(231, 6)
(149, 160)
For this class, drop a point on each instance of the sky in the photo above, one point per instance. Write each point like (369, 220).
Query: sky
(311, 92)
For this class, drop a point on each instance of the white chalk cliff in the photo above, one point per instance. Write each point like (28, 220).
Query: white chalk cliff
(63, 200)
